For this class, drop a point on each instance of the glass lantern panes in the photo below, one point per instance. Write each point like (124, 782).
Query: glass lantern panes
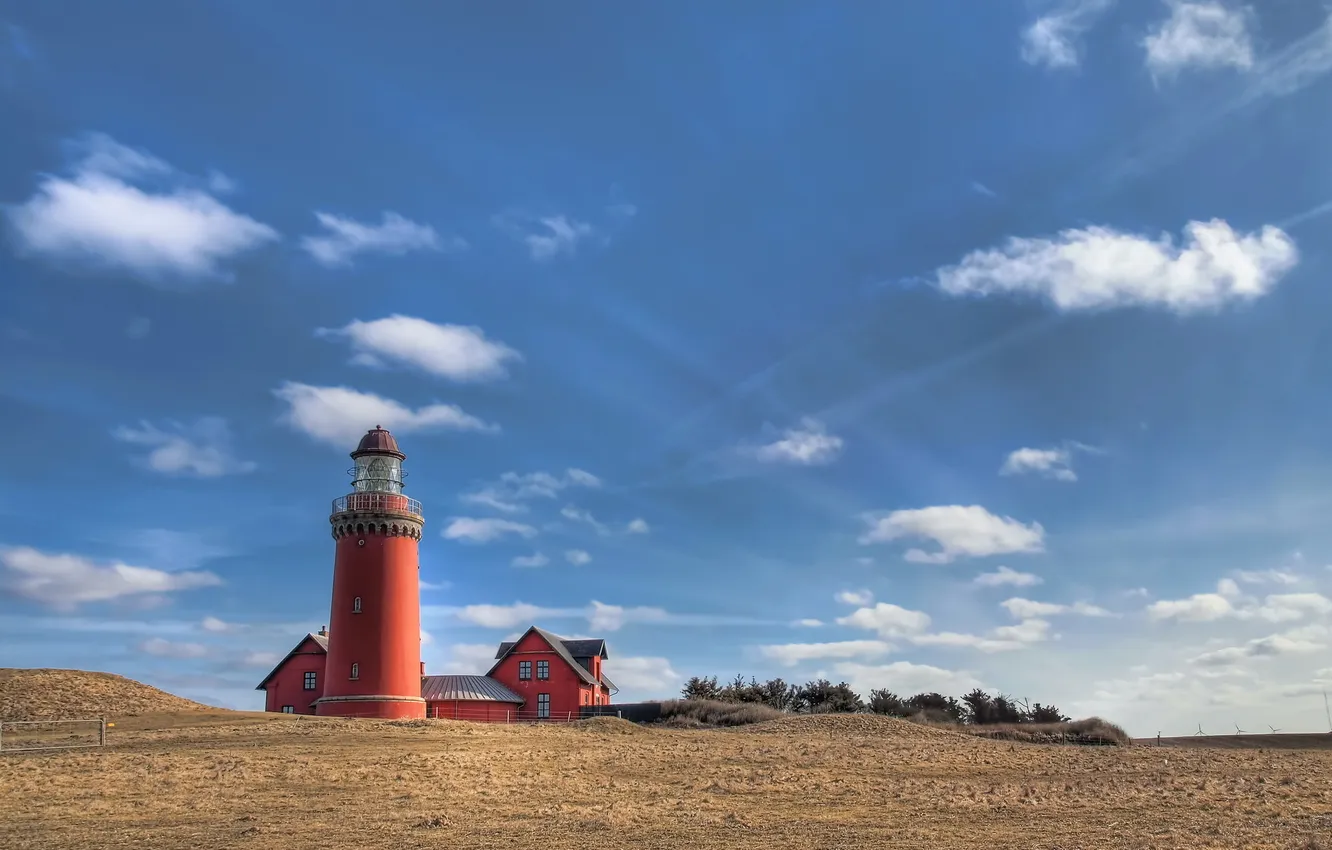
(377, 474)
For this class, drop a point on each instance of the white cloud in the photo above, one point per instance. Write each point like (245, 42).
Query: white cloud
(1052, 40)
(474, 659)
(1024, 609)
(579, 515)
(261, 659)
(1264, 647)
(65, 581)
(1200, 607)
(1228, 601)
(1049, 463)
(473, 530)
(960, 530)
(340, 416)
(1099, 267)
(903, 677)
(645, 676)
(1202, 35)
(808, 623)
(513, 489)
(1005, 576)
(172, 649)
(637, 526)
(536, 559)
(1001, 639)
(611, 618)
(395, 235)
(810, 444)
(456, 352)
(888, 620)
(203, 449)
(426, 638)
(97, 214)
(855, 597)
(791, 654)
(502, 616)
(577, 557)
(213, 624)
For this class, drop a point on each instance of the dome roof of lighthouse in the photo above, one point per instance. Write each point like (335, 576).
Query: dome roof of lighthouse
(378, 441)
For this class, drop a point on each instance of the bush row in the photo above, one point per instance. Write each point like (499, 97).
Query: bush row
(976, 708)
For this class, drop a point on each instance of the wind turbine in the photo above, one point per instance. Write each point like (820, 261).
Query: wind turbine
(1274, 731)
(1200, 731)
(1238, 731)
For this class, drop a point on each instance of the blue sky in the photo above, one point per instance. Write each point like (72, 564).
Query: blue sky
(970, 344)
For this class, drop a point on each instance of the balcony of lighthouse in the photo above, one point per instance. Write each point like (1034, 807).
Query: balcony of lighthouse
(378, 503)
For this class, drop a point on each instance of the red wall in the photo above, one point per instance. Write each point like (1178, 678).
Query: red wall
(288, 686)
(564, 684)
(481, 711)
(384, 639)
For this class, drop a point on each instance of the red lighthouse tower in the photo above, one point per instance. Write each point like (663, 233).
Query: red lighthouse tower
(374, 640)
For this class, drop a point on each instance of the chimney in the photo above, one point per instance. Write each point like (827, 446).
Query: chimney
(323, 631)
(422, 668)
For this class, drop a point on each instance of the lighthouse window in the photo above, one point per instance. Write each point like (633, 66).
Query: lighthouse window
(356, 605)
(543, 669)
(524, 670)
(310, 677)
(356, 671)
(543, 705)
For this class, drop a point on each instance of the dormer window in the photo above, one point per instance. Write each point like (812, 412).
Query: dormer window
(356, 605)
(356, 671)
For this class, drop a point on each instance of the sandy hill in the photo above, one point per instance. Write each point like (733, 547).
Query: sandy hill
(45, 694)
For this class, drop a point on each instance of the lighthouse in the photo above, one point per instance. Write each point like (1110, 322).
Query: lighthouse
(374, 636)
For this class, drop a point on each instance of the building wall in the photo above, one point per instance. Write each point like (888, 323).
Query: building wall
(384, 638)
(288, 686)
(564, 684)
(480, 711)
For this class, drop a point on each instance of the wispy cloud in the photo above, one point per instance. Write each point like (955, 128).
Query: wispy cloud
(546, 237)
(1003, 576)
(345, 238)
(456, 352)
(125, 208)
(1054, 39)
(202, 449)
(511, 492)
(809, 444)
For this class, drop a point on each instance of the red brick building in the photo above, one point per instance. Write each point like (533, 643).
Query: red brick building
(540, 676)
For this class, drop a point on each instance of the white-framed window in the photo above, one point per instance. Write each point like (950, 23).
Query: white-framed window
(524, 670)
(356, 605)
(543, 670)
(288, 709)
(543, 705)
(311, 680)
(355, 671)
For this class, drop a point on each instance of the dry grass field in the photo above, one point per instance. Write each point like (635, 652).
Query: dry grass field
(216, 779)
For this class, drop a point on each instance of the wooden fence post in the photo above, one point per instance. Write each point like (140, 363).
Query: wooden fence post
(101, 732)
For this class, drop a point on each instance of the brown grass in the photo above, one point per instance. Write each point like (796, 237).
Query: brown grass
(48, 694)
(1092, 731)
(244, 780)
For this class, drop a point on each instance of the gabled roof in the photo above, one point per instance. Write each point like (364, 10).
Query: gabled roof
(321, 641)
(482, 688)
(561, 647)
